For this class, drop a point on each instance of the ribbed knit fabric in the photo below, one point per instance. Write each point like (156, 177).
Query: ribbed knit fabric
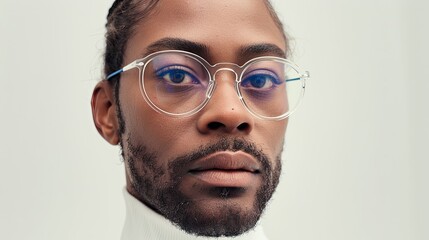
(142, 222)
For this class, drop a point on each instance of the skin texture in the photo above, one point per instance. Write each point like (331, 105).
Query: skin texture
(159, 150)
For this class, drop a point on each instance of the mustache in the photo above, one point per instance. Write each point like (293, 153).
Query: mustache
(223, 144)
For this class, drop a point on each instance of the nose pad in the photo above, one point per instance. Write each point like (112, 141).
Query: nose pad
(212, 87)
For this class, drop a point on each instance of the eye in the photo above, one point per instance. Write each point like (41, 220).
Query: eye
(260, 80)
(177, 75)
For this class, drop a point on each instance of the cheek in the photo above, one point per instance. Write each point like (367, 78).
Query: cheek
(153, 129)
(272, 136)
(156, 131)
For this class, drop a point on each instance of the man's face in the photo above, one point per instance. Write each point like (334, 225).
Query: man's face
(213, 172)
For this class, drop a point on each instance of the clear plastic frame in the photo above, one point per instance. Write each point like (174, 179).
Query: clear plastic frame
(180, 84)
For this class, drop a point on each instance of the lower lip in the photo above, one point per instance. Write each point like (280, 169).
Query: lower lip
(223, 178)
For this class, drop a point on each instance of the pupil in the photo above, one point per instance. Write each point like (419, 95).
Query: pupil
(258, 82)
(177, 77)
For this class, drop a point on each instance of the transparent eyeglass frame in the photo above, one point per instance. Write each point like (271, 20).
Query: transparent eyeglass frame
(212, 70)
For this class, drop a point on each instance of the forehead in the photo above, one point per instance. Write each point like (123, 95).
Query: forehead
(222, 25)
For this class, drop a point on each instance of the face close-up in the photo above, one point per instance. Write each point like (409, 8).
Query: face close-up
(212, 172)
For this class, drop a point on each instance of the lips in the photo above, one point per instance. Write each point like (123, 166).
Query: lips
(226, 169)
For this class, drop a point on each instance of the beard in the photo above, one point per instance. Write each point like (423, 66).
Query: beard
(158, 187)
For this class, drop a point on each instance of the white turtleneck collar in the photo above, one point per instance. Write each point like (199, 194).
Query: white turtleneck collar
(142, 222)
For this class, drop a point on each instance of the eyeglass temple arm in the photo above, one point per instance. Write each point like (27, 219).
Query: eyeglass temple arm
(305, 76)
(292, 79)
(124, 69)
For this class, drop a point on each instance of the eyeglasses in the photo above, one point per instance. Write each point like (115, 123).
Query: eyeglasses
(180, 84)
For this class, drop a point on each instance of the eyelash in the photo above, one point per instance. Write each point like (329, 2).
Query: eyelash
(161, 73)
(266, 74)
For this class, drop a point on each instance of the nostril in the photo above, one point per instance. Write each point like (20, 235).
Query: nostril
(243, 127)
(215, 125)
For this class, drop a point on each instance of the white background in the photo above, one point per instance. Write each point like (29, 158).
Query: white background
(356, 161)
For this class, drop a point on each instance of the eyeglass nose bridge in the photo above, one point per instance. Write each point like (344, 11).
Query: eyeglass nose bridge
(218, 68)
(225, 69)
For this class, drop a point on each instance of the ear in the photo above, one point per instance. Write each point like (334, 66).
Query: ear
(104, 112)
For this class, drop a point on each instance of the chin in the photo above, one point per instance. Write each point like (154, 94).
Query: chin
(219, 217)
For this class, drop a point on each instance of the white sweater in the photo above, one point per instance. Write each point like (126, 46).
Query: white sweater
(142, 222)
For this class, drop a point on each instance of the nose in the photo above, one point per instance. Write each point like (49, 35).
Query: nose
(225, 113)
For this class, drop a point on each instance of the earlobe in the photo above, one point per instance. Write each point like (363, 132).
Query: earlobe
(104, 112)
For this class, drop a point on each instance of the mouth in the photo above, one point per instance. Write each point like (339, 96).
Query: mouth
(226, 169)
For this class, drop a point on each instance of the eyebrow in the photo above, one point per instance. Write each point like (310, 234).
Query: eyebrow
(244, 53)
(199, 49)
(260, 49)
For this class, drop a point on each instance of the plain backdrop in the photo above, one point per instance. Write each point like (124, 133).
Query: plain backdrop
(356, 157)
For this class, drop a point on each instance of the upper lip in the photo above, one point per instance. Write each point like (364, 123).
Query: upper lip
(227, 161)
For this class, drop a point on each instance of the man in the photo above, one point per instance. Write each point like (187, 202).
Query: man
(197, 94)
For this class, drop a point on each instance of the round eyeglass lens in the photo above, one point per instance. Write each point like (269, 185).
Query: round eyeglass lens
(271, 88)
(175, 83)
